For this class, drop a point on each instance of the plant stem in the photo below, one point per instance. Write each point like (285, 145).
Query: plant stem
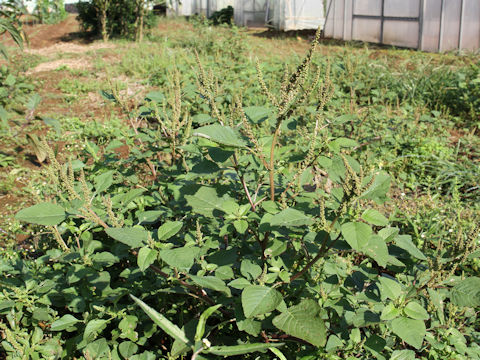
(272, 162)
(242, 180)
(323, 250)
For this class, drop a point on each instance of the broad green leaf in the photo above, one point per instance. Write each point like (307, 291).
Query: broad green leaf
(437, 299)
(127, 349)
(202, 119)
(337, 144)
(405, 242)
(93, 328)
(257, 114)
(131, 195)
(250, 326)
(239, 283)
(219, 155)
(205, 201)
(202, 321)
(146, 257)
(388, 233)
(155, 96)
(290, 217)
(379, 189)
(127, 325)
(230, 207)
(205, 169)
(104, 259)
(224, 273)
(166, 325)
(211, 282)
(54, 123)
(241, 226)
(389, 312)
(390, 288)
(364, 317)
(180, 258)
(409, 330)
(303, 322)
(466, 292)
(222, 135)
(169, 229)
(97, 348)
(241, 349)
(416, 311)
(333, 343)
(377, 250)
(271, 207)
(375, 344)
(47, 214)
(356, 234)
(103, 181)
(132, 236)
(258, 300)
(374, 217)
(179, 348)
(7, 304)
(150, 217)
(403, 355)
(65, 322)
(250, 270)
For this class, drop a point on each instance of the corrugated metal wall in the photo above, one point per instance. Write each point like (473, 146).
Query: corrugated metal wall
(250, 12)
(295, 14)
(430, 25)
(200, 7)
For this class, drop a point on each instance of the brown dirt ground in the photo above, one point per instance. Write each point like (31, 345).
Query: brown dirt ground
(50, 42)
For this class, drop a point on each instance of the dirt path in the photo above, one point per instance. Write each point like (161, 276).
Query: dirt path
(45, 35)
(62, 52)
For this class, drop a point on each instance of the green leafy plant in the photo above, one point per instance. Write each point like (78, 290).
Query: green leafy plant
(11, 24)
(243, 215)
(50, 11)
(116, 18)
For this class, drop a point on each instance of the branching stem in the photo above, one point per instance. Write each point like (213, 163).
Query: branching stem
(272, 162)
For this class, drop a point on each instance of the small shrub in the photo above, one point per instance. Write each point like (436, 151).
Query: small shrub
(50, 11)
(121, 18)
(223, 16)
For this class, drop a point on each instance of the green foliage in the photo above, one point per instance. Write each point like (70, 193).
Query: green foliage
(223, 16)
(11, 24)
(50, 11)
(121, 16)
(246, 220)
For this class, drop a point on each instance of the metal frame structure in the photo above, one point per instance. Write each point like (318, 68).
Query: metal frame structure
(250, 12)
(442, 24)
(384, 18)
(289, 15)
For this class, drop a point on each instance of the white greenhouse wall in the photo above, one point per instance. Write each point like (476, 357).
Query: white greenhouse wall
(430, 25)
(250, 12)
(200, 7)
(295, 14)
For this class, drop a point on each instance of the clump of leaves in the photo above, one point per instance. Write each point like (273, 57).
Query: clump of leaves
(258, 233)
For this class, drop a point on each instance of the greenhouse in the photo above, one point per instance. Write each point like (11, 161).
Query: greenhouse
(250, 12)
(295, 14)
(198, 7)
(429, 25)
(278, 14)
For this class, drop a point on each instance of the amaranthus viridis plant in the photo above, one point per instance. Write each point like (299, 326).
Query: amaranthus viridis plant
(295, 89)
